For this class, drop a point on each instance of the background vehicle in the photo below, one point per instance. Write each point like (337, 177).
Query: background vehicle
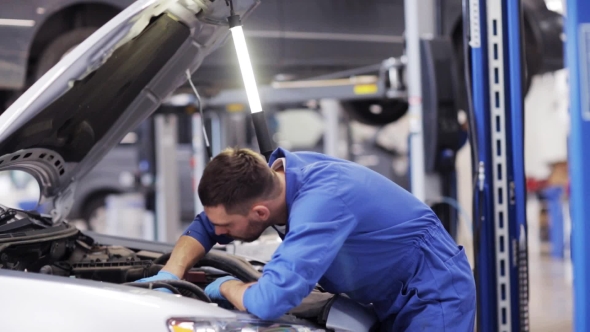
(287, 40)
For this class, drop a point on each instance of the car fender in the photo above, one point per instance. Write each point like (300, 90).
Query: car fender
(79, 301)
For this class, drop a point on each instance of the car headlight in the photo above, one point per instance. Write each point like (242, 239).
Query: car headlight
(238, 325)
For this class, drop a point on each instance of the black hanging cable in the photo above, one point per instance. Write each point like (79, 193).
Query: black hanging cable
(233, 19)
(200, 102)
(473, 134)
(230, 3)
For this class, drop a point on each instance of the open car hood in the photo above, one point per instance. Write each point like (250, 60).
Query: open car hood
(81, 108)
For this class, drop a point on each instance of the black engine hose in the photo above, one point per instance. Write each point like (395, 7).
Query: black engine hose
(142, 272)
(162, 259)
(234, 265)
(176, 286)
(192, 288)
(154, 285)
(238, 267)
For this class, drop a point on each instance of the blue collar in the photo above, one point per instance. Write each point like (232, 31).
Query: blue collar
(292, 177)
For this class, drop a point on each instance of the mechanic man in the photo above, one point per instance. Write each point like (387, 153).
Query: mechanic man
(347, 228)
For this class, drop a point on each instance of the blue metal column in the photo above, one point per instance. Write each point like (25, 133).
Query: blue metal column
(578, 62)
(516, 174)
(485, 267)
(502, 267)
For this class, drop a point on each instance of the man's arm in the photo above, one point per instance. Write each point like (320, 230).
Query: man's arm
(195, 242)
(318, 227)
(186, 253)
(233, 291)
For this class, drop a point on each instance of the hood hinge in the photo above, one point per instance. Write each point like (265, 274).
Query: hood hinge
(62, 204)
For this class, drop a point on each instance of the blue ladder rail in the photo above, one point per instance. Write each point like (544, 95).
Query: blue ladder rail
(502, 258)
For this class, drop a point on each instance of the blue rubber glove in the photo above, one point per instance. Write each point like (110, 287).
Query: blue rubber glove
(213, 289)
(162, 275)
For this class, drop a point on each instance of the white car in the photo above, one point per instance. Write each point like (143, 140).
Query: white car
(53, 277)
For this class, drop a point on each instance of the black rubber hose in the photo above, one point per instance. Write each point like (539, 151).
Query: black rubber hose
(162, 259)
(154, 285)
(175, 286)
(234, 265)
(142, 272)
(196, 290)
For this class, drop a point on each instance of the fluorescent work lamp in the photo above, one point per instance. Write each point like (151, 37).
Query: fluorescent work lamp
(245, 65)
(258, 117)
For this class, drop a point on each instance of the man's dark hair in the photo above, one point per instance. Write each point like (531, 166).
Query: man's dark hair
(236, 178)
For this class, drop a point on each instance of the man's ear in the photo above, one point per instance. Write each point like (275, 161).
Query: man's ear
(261, 212)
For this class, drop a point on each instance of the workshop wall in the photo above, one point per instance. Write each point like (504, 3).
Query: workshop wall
(546, 124)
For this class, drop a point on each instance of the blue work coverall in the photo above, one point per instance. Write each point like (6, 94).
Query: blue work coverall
(354, 231)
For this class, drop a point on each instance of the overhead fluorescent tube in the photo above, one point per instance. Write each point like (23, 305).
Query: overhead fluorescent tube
(246, 68)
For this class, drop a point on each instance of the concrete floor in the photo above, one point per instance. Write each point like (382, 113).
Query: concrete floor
(551, 300)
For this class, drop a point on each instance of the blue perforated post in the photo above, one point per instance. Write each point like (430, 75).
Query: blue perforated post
(578, 63)
(500, 229)
(518, 231)
(485, 268)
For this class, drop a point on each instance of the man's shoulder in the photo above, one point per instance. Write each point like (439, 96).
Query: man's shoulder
(303, 156)
(329, 178)
(333, 167)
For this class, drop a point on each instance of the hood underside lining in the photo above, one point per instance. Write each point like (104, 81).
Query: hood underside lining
(102, 97)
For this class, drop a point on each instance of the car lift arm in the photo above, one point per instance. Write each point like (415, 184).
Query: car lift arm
(346, 85)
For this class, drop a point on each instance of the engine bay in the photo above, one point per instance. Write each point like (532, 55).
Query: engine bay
(30, 242)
